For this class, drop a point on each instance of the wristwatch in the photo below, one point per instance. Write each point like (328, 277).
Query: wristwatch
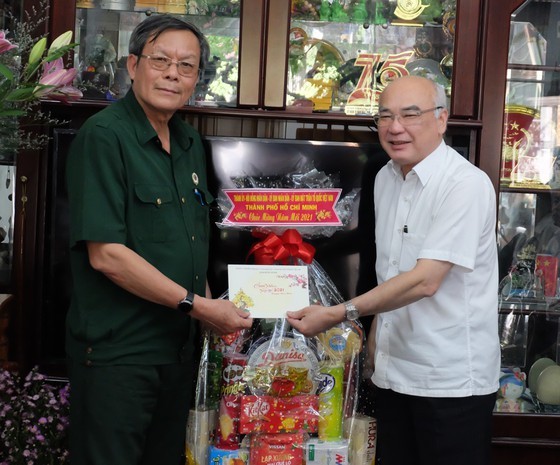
(186, 305)
(352, 312)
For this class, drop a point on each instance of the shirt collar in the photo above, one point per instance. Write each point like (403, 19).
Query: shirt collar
(427, 166)
(145, 131)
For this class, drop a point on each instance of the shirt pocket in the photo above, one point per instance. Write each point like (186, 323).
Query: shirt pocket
(156, 217)
(201, 213)
(411, 246)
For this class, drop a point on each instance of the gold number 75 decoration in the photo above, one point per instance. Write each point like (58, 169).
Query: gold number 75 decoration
(374, 78)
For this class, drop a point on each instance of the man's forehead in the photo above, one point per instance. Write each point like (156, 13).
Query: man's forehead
(405, 96)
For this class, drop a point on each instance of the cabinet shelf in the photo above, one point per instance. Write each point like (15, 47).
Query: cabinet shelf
(529, 190)
(531, 307)
(523, 67)
(312, 117)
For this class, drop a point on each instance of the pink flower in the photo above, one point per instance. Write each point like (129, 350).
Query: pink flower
(5, 45)
(56, 82)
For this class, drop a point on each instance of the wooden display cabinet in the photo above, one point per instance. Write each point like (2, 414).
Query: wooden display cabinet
(521, 93)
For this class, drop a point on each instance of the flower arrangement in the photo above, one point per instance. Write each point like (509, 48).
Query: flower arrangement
(29, 71)
(33, 420)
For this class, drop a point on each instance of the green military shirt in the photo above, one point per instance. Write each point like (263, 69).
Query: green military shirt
(124, 188)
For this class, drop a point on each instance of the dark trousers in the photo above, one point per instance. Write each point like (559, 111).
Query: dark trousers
(433, 431)
(129, 415)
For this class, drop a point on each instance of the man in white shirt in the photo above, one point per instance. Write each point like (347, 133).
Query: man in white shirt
(435, 337)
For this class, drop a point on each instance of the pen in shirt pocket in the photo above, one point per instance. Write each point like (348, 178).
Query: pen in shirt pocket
(199, 196)
(405, 229)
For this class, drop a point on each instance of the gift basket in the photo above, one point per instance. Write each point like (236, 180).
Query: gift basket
(270, 395)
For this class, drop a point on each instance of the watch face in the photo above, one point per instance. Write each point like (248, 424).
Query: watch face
(186, 304)
(352, 312)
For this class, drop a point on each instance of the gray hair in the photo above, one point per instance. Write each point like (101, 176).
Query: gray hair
(440, 99)
(151, 28)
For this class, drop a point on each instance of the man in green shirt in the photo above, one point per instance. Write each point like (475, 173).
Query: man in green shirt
(139, 237)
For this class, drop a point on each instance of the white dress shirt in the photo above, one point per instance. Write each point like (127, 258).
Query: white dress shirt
(446, 345)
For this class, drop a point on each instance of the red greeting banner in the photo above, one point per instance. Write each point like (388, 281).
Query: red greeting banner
(283, 207)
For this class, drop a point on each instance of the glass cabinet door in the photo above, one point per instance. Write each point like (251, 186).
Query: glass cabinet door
(342, 53)
(529, 214)
(103, 29)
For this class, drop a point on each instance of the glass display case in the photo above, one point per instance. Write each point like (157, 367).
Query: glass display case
(342, 53)
(103, 31)
(529, 214)
(333, 55)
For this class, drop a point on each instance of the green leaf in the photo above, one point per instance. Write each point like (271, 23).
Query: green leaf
(59, 52)
(4, 89)
(6, 72)
(12, 112)
(20, 95)
(30, 70)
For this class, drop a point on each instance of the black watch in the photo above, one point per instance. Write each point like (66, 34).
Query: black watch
(186, 305)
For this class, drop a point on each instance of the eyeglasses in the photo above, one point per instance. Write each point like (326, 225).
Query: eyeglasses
(184, 68)
(406, 118)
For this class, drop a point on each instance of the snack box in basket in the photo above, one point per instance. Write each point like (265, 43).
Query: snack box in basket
(218, 456)
(362, 431)
(318, 452)
(269, 414)
(276, 449)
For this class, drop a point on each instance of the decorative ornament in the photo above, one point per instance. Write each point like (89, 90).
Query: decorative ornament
(449, 24)
(409, 9)
(446, 65)
(423, 47)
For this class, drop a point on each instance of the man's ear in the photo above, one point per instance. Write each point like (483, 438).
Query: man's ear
(442, 120)
(131, 65)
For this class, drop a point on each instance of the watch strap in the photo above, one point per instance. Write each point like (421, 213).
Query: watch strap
(186, 305)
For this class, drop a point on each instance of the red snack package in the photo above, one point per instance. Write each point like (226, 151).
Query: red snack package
(268, 414)
(276, 449)
(233, 386)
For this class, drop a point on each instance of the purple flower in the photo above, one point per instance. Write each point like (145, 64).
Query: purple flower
(56, 82)
(5, 44)
(33, 421)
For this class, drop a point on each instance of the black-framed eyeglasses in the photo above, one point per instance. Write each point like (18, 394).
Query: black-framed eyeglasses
(405, 117)
(161, 63)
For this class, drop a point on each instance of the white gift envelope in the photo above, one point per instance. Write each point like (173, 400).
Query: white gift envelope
(268, 291)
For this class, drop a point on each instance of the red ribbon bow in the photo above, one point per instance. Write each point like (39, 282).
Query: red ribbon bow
(273, 249)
